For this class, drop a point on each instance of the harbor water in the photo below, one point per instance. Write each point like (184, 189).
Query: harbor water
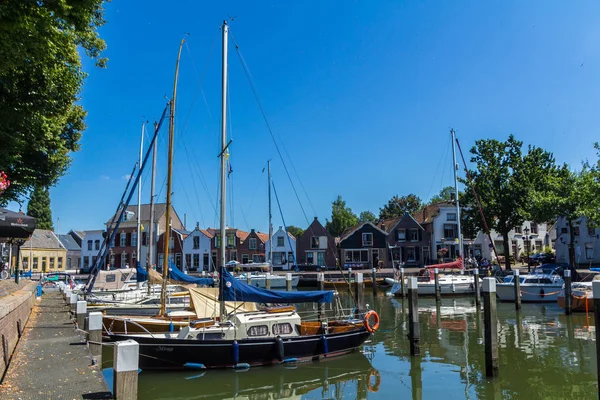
(543, 355)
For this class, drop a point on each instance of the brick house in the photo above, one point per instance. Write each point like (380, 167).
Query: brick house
(316, 246)
(252, 249)
(363, 246)
(176, 240)
(408, 241)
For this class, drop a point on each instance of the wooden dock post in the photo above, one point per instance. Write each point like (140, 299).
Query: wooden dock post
(568, 294)
(73, 302)
(436, 276)
(374, 278)
(476, 287)
(596, 295)
(359, 291)
(321, 285)
(81, 311)
(125, 382)
(248, 278)
(490, 322)
(517, 287)
(413, 317)
(95, 335)
(288, 281)
(349, 276)
(402, 283)
(268, 281)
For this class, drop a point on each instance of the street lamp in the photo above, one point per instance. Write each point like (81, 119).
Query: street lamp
(526, 239)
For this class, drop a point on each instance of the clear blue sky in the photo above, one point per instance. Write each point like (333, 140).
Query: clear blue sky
(362, 95)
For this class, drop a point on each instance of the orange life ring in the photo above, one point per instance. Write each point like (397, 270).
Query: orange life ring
(375, 387)
(373, 328)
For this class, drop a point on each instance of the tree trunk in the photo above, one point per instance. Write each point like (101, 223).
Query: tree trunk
(507, 245)
(571, 244)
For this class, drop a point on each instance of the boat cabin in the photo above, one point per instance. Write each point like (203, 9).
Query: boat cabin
(116, 280)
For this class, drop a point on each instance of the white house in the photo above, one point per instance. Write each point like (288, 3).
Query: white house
(196, 250)
(284, 250)
(586, 241)
(90, 246)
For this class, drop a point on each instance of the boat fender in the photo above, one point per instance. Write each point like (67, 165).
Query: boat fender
(194, 366)
(235, 352)
(171, 327)
(280, 351)
(367, 321)
(373, 387)
(290, 360)
(325, 346)
(542, 293)
(242, 366)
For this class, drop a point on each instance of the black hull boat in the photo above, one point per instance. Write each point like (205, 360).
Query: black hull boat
(164, 353)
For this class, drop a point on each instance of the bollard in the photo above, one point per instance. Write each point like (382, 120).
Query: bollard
(73, 302)
(249, 278)
(268, 281)
(402, 282)
(413, 317)
(567, 294)
(81, 311)
(490, 322)
(288, 281)
(476, 287)
(67, 295)
(321, 285)
(95, 335)
(596, 294)
(125, 370)
(374, 278)
(517, 287)
(359, 293)
(436, 277)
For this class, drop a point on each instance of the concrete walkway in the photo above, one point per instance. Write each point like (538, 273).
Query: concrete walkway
(51, 360)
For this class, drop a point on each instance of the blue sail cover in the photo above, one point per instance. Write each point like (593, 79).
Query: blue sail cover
(141, 274)
(233, 289)
(176, 274)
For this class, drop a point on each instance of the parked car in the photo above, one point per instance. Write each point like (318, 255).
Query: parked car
(540, 258)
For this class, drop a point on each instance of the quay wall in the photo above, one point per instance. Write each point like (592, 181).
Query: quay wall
(15, 309)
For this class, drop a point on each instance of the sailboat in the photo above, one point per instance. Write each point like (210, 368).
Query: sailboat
(241, 339)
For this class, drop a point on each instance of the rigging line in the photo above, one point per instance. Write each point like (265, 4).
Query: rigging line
(284, 226)
(256, 186)
(437, 169)
(445, 163)
(194, 185)
(192, 169)
(188, 199)
(247, 73)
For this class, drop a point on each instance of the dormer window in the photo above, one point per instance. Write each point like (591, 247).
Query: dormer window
(367, 239)
(280, 242)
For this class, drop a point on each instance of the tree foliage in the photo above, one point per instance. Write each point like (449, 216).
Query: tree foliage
(294, 230)
(342, 217)
(39, 207)
(446, 194)
(40, 79)
(367, 216)
(506, 180)
(397, 206)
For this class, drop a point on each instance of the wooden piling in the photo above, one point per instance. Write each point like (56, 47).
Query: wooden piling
(268, 281)
(596, 295)
(402, 282)
(568, 293)
(95, 335)
(490, 322)
(248, 278)
(517, 287)
(321, 285)
(288, 281)
(413, 317)
(81, 312)
(436, 277)
(359, 293)
(125, 382)
(476, 287)
(374, 278)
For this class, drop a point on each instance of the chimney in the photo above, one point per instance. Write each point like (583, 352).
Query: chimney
(383, 225)
(251, 230)
(280, 228)
(197, 225)
(424, 214)
(316, 218)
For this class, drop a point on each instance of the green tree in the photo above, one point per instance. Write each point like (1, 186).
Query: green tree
(41, 77)
(367, 216)
(446, 194)
(39, 207)
(295, 231)
(342, 217)
(397, 206)
(506, 179)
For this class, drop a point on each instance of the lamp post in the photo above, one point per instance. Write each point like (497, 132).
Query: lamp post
(526, 239)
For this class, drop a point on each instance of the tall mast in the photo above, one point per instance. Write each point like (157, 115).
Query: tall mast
(223, 160)
(163, 292)
(455, 168)
(270, 214)
(138, 249)
(150, 256)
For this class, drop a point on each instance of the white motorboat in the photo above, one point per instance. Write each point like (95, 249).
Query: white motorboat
(543, 284)
(260, 280)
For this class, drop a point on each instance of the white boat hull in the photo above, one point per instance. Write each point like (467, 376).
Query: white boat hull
(463, 285)
(547, 293)
(277, 281)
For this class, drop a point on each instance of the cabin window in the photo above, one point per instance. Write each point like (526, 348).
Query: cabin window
(414, 235)
(282, 329)
(314, 242)
(258, 330)
(89, 245)
(401, 235)
(534, 229)
(367, 239)
(111, 278)
(196, 242)
(123, 277)
(589, 251)
(451, 217)
(252, 243)
(280, 241)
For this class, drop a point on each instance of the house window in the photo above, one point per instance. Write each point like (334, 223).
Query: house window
(290, 258)
(499, 244)
(112, 242)
(68, 262)
(171, 243)
(282, 329)
(277, 258)
(414, 235)
(86, 262)
(280, 241)
(26, 262)
(252, 244)
(314, 242)
(178, 260)
(244, 258)
(231, 241)
(534, 229)
(123, 239)
(258, 330)
(196, 260)
(426, 257)
(449, 231)
(591, 231)
(367, 239)
(518, 229)
(410, 254)
(43, 264)
(563, 230)
(310, 258)
(123, 259)
(539, 245)
(401, 235)
(188, 260)
(451, 217)
(320, 259)
(134, 239)
(589, 251)
(144, 239)
(60, 264)
(196, 242)
(94, 258)
(51, 262)
(257, 258)
(575, 231)
(233, 255)
(356, 256)
(217, 241)
(89, 245)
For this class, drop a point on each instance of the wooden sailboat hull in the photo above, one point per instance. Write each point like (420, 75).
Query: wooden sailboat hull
(170, 354)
